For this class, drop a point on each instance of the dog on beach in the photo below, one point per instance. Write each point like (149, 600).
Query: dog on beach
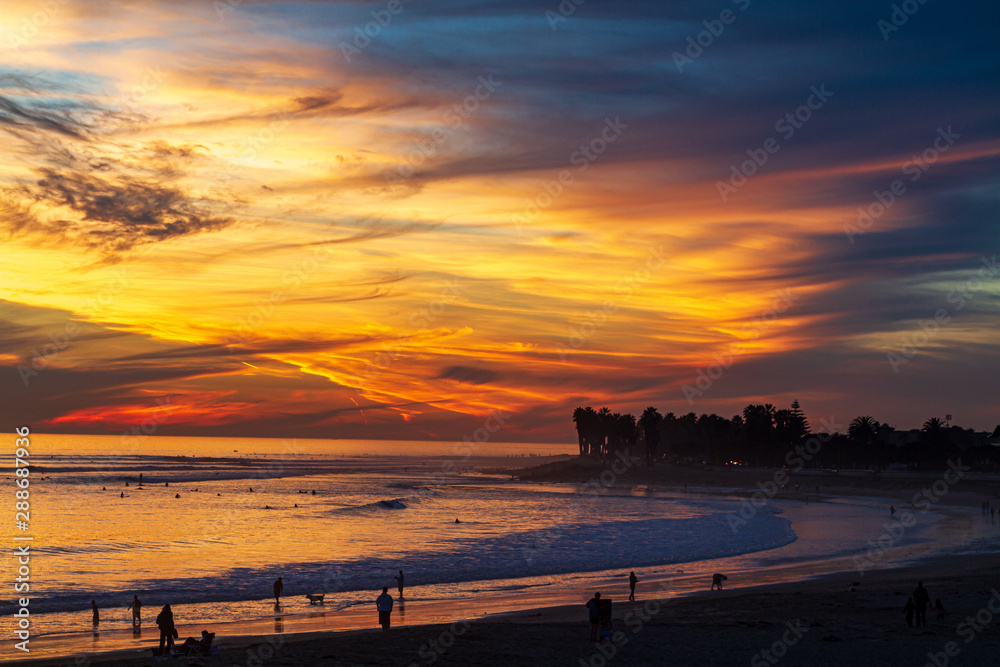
(717, 580)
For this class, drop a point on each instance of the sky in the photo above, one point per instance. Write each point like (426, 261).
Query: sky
(414, 220)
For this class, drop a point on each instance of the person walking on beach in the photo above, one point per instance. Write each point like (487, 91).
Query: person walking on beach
(136, 607)
(165, 622)
(278, 588)
(920, 600)
(399, 584)
(384, 605)
(97, 615)
(594, 611)
(908, 610)
(632, 581)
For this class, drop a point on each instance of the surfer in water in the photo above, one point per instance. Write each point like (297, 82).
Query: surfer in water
(136, 607)
(279, 586)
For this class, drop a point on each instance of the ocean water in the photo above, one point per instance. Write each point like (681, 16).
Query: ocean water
(330, 517)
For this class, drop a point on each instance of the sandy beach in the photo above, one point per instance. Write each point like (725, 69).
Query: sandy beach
(811, 617)
(815, 622)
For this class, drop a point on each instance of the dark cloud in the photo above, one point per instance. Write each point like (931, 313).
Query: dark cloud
(469, 375)
(83, 193)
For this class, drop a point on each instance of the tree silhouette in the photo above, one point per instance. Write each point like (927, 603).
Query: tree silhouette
(649, 424)
(580, 419)
(863, 429)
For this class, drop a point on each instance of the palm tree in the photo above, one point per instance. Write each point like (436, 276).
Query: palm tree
(580, 419)
(863, 429)
(603, 429)
(933, 427)
(649, 423)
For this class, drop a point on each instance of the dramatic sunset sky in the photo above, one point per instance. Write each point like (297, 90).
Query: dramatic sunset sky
(280, 226)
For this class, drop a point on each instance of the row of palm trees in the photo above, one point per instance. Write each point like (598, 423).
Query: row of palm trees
(602, 433)
(763, 434)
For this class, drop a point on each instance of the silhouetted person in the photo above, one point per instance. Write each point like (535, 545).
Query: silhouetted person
(192, 646)
(892, 510)
(140, 479)
(136, 607)
(594, 612)
(908, 610)
(384, 605)
(632, 581)
(717, 580)
(920, 600)
(123, 494)
(279, 586)
(97, 615)
(165, 622)
(399, 583)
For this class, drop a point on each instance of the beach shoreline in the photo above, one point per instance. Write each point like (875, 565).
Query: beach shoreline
(836, 624)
